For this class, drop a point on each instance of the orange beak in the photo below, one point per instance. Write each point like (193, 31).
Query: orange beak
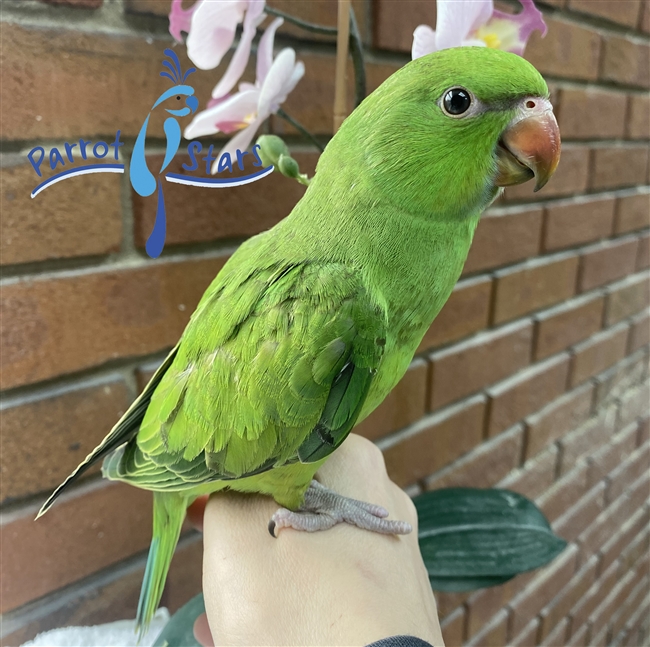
(530, 146)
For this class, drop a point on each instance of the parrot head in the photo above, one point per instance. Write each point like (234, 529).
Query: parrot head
(174, 73)
(448, 130)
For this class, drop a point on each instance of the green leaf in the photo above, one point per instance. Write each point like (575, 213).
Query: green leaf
(473, 538)
(179, 631)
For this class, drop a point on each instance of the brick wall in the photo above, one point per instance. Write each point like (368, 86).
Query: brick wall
(534, 377)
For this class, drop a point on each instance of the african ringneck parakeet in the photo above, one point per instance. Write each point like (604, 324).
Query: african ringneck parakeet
(309, 325)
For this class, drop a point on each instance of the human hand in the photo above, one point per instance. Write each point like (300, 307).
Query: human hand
(343, 586)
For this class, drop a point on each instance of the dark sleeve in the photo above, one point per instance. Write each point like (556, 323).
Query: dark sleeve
(401, 641)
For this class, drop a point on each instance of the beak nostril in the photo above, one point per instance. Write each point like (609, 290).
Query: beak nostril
(530, 104)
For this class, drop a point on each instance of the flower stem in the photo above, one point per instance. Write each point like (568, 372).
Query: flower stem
(300, 128)
(307, 26)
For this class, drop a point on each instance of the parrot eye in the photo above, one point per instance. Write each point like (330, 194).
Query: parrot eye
(456, 101)
(178, 98)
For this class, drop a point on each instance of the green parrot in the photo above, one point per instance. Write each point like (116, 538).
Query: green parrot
(309, 325)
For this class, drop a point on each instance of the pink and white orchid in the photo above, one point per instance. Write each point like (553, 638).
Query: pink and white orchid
(211, 27)
(246, 110)
(477, 23)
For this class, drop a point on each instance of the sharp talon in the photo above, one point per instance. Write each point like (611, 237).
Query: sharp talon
(271, 527)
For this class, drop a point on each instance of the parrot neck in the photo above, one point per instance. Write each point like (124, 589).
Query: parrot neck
(410, 259)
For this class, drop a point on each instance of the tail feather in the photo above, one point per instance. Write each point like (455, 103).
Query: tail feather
(168, 515)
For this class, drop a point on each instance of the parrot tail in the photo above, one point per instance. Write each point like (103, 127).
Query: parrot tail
(168, 515)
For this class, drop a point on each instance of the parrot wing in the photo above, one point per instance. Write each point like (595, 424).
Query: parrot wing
(273, 369)
(125, 429)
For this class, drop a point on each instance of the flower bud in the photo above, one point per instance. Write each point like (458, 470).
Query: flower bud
(272, 148)
(288, 166)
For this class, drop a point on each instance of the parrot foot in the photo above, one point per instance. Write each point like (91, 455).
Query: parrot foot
(324, 508)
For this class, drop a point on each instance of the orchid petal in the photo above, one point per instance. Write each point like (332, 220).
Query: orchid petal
(527, 21)
(278, 77)
(212, 31)
(265, 50)
(180, 19)
(241, 141)
(237, 108)
(240, 58)
(457, 18)
(424, 41)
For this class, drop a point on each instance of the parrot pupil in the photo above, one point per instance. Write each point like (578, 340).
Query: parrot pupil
(457, 101)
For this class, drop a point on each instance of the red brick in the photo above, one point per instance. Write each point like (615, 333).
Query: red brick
(571, 224)
(575, 520)
(88, 530)
(404, 405)
(558, 418)
(572, 593)
(558, 635)
(644, 20)
(602, 614)
(526, 392)
(396, 21)
(624, 13)
(638, 124)
(618, 166)
(644, 431)
(97, 69)
(578, 119)
(54, 326)
(467, 311)
(436, 442)
(549, 582)
(611, 550)
(625, 61)
(201, 215)
(598, 353)
(627, 298)
(45, 438)
(564, 493)
(453, 627)
(635, 551)
(596, 594)
(618, 453)
(534, 285)
(535, 476)
(634, 404)
(81, 217)
(566, 324)
(493, 634)
(643, 256)
(478, 362)
(607, 262)
(501, 239)
(611, 384)
(587, 439)
(632, 212)
(527, 636)
(449, 602)
(629, 606)
(485, 466)
(579, 638)
(484, 604)
(639, 331)
(571, 177)
(567, 51)
(113, 596)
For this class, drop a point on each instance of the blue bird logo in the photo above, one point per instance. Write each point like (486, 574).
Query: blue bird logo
(143, 181)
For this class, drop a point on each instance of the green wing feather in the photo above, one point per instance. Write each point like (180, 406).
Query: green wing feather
(273, 368)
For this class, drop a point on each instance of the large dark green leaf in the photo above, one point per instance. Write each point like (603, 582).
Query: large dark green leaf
(473, 538)
(179, 631)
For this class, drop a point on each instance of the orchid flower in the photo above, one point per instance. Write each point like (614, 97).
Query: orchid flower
(211, 28)
(246, 110)
(476, 22)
